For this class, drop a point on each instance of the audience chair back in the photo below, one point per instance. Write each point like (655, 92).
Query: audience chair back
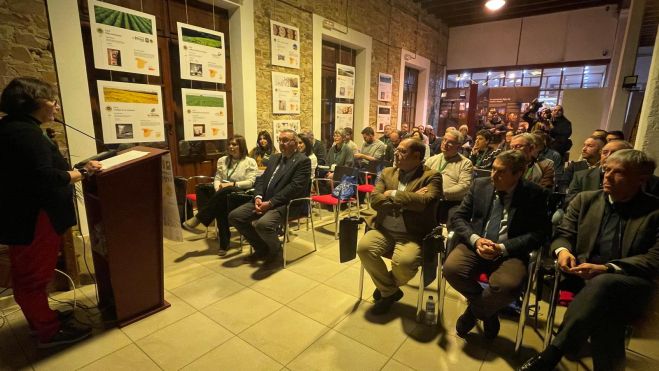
(330, 200)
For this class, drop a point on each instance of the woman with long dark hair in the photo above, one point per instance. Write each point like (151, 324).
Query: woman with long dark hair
(263, 150)
(304, 146)
(235, 172)
(36, 203)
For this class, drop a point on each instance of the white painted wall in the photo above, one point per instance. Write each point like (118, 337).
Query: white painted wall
(583, 107)
(422, 64)
(583, 34)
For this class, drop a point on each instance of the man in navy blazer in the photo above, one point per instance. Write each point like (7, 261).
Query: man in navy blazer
(499, 222)
(286, 178)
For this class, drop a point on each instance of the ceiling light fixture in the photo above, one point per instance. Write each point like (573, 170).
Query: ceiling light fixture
(494, 5)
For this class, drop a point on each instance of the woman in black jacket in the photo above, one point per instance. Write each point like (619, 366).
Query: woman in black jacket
(37, 205)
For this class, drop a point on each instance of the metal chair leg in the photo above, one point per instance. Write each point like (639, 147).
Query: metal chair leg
(552, 308)
(336, 222)
(361, 282)
(441, 288)
(420, 295)
(313, 229)
(525, 308)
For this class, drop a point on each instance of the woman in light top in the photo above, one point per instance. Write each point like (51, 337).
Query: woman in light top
(304, 146)
(235, 172)
(263, 150)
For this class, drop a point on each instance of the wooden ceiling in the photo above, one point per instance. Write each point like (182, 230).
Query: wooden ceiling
(464, 12)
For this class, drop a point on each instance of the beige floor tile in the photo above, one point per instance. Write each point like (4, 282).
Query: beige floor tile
(241, 310)
(182, 273)
(324, 304)
(128, 358)
(385, 333)
(334, 351)
(284, 334)
(284, 286)
(82, 353)
(237, 355)
(198, 251)
(178, 310)
(184, 341)
(444, 353)
(11, 353)
(394, 365)
(317, 268)
(348, 281)
(207, 290)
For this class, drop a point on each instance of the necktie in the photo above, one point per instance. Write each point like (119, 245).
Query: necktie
(494, 224)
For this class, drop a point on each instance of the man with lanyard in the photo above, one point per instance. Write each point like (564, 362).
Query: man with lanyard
(541, 173)
(456, 172)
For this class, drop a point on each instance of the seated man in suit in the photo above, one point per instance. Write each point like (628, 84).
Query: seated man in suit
(404, 199)
(286, 178)
(499, 222)
(608, 242)
(538, 172)
(591, 179)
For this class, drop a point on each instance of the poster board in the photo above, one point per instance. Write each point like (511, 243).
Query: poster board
(280, 125)
(345, 81)
(201, 54)
(123, 39)
(384, 118)
(343, 115)
(284, 45)
(385, 82)
(204, 114)
(130, 113)
(285, 93)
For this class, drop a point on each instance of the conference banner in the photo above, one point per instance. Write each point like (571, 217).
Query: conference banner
(204, 114)
(123, 39)
(284, 45)
(131, 113)
(202, 55)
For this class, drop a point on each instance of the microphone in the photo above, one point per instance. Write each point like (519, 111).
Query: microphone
(98, 157)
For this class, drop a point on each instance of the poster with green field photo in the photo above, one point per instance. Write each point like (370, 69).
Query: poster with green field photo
(204, 114)
(202, 54)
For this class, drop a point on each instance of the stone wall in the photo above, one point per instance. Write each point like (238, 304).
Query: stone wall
(392, 25)
(26, 47)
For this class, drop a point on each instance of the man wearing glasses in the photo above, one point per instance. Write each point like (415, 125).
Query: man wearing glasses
(539, 172)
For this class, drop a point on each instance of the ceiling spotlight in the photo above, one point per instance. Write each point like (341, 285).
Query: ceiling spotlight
(495, 5)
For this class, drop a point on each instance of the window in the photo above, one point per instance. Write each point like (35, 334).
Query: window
(409, 96)
(332, 54)
(552, 80)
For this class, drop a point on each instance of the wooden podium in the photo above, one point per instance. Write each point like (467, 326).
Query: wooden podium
(125, 217)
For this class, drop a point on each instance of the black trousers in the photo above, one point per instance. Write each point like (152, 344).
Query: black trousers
(259, 230)
(218, 208)
(601, 311)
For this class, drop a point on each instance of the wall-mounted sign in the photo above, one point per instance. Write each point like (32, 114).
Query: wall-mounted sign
(201, 53)
(204, 114)
(285, 45)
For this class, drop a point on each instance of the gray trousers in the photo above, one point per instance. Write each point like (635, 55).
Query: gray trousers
(506, 279)
(259, 230)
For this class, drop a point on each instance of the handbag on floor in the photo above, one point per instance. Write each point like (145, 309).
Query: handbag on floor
(348, 238)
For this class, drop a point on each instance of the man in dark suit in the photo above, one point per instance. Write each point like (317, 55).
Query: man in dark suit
(591, 179)
(286, 177)
(608, 242)
(500, 220)
(318, 148)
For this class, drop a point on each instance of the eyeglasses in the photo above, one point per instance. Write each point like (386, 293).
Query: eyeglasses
(449, 143)
(285, 140)
(518, 146)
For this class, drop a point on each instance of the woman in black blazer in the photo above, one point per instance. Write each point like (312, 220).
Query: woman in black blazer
(36, 199)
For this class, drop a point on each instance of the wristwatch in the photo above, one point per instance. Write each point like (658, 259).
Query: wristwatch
(83, 172)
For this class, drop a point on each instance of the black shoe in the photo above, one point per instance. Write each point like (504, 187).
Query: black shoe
(63, 316)
(67, 334)
(466, 322)
(273, 261)
(190, 228)
(253, 258)
(222, 252)
(491, 327)
(377, 295)
(538, 363)
(383, 305)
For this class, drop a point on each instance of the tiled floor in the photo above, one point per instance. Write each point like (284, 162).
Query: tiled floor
(305, 317)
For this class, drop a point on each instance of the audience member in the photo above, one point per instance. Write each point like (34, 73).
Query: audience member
(385, 135)
(235, 172)
(606, 245)
(372, 150)
(404, 200)
(347, 133)
(499, 222)
(615, 135)
(590, 156)
(263, 150)
(539, 172)
(434, 142)
(404, 131)
(394, 141)
(482, 156)
(560, 132)
(600, 134)
(506, 140)
(304, 146)
(339, 154)
(468, 141)
(544, 152)
(456, 169)
(286, 177)
(419, 136)
(317, 146)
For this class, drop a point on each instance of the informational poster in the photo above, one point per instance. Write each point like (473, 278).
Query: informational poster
(345, 81)
(279, 125)
(285, 45)
(201, 53)
(343, 113)
(123, 39)
(204, 114)
(131, 112)
(285, 93)
(385, 82)
(384, 118)
(171, 221)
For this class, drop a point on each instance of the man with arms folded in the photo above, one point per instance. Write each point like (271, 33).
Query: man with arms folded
(286, 178)
(499, 222)
(404, 198)
(607, 243)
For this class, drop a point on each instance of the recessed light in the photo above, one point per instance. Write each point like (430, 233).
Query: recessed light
(495, 5)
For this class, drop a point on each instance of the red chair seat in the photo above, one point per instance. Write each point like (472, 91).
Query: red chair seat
(328, 199)
(483, 278)
(192, 197)
(565, 298)
(365, 188)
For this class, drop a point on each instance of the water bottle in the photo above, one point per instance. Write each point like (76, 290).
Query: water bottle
(431, 319)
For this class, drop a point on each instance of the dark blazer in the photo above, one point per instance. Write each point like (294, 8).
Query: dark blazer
(286, 185)
(34, 178)
(319, 150)
(584, 180)
(640, 243)
(418, 210)
(528, 225)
